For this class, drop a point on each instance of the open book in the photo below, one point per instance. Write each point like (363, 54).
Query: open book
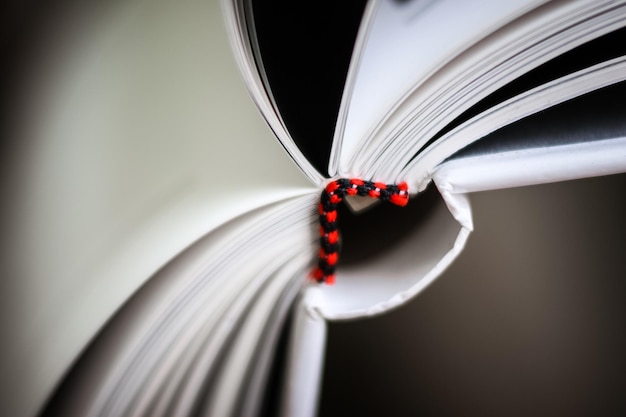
(161, 236)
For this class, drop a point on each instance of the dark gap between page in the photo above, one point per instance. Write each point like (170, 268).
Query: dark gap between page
(306, 49)
(595, 116)
(606, 47)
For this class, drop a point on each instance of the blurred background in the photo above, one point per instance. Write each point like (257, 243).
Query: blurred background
(529, 320)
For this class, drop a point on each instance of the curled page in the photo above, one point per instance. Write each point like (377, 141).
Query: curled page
(532, 166)
(305, 358)
(394, 255)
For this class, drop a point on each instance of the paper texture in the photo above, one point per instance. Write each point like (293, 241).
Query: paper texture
(532, 166)
(305, 358)
(392, 62)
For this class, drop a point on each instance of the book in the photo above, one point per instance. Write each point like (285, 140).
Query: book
(164, 223)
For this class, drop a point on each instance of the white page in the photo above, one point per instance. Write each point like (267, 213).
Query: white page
(193, 330)
(259, 379)
(551, 30)
(305, 358)
(223, 400)
(137, 137)
(406, 42)
(155, 356)
(532, 166)
(516, 108)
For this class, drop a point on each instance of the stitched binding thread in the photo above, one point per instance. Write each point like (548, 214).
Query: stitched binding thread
(330, 198)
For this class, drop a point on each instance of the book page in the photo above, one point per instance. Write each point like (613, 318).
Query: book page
(534, 39)
(225, 396)
(531, 166)
(305, 358)
(584, 137)
(583, 109)
(403, 43)
(159, 352)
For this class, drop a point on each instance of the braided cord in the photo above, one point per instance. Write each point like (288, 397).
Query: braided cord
(334, 194)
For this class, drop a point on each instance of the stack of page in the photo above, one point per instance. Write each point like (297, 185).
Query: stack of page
(168, 163)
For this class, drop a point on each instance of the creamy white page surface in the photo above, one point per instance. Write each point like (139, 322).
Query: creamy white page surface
(487, 66)
(305, 358)
(570, 87)
(406, 42)
(155, 356)
(532, 166)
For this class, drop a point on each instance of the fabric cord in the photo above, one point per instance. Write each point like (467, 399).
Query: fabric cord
(330, 198)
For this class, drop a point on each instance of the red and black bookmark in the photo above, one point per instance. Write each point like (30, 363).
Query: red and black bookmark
(332, 195)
